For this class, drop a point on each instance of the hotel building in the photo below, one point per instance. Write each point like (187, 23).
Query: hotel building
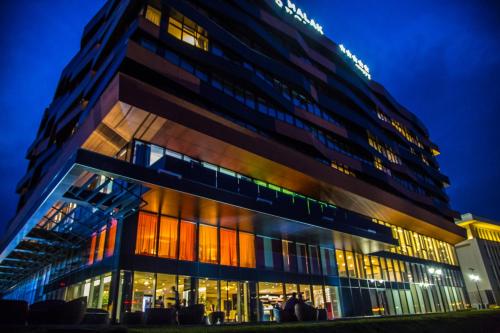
(229, 149)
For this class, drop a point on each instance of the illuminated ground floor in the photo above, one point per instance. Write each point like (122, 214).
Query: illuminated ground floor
(233, 243)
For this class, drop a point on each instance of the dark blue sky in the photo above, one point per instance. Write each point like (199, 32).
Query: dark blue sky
(439, 58)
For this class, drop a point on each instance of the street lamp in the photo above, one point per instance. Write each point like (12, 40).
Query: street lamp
(475, 278)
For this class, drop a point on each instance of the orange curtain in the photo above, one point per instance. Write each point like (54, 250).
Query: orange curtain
(92, 248)
(146, 234)
(167, 247)
(228, 253)
(187, 241)
(208, 244)
(100, 248)
(247, 250)
(110, 247)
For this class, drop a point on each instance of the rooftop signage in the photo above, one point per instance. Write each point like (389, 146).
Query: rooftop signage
(357, 62)
(291, 9)
(301, 16)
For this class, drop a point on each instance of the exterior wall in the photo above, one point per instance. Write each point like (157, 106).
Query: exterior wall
(481, 258)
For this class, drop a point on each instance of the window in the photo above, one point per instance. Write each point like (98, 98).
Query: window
(143, 291)
(208, 244)
(153, 15)
(341, 264)
(146, 234)
(110, 247)
(167, 246)
(314, 259)
(228, 254)
(100, 248)
(247, 250)
(93, 241)
(187, 241)
(164, 284)
(289, 256)
(302, 263)
(350, 264)
(186, 30)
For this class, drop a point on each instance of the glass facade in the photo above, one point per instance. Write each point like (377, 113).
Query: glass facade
(419, 246)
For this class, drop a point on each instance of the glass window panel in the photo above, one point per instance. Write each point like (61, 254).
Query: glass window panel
(167, 247)
(146, 234)
(247, 250)
(314, 259)
(186, 290)
(305, 292)
(318, 299)
(187, 241)
(165, 295)
(153, 15)
(100, 247)
(156, 153)
(289, 256)
(143, 289)
(350, 264)
(270, 295)
(368, 267)
(174, 30)
(93, 241)
(110, 247)
(208, 244)
(341, 263)
(377, 273)
(290, 288)
(302, 264)
(360, 265)
(332, 303)
(229, 300)
(208, 294)
(228, 254)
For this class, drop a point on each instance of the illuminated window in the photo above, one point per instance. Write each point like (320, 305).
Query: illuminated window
(167, 246)
(228, 253)
(208, 244)
(186, 30)
(100, 248)
(349, 259)
(289, 256)
(110, 247)
(343, 168)
(384, 150)
(153, 15)
(93, 241)
(247, 250)
(146, 234)
(186, 241)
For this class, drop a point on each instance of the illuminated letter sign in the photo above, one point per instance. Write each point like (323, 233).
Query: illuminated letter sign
(357, 62)
(301, 16)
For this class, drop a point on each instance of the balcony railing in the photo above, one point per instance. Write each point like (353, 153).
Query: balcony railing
(280, 199)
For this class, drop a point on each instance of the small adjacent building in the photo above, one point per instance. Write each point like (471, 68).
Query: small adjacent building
(479, 258)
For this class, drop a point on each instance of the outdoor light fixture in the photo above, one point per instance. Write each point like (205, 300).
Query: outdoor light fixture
(474, 277)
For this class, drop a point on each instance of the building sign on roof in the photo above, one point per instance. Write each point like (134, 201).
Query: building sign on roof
(357, 62)
(291, 9)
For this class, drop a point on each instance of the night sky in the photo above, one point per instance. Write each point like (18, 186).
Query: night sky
(439, 58)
